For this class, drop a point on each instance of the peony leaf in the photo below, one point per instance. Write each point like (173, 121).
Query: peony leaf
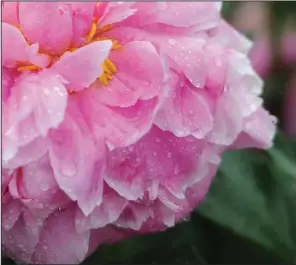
(254, 195)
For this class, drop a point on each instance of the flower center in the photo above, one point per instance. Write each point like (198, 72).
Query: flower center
(95, 34)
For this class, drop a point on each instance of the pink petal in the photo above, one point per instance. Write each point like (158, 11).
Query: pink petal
(78, 160)
(185, 14)
(10, 13)
(16, 50)
(83, 13)
(228, 120)
(44, 196)
(25, 154)
(22, 238)
(229, 37)
(89, 58)
(8, 80)
(47, 23)
(107, 212)
(119, 126)
(259, 131)
(139, 75)
(37, 103)
(185, 111)
(59, 242)
(116, 12)
(14, 46)
(42, 95)
(159, 158)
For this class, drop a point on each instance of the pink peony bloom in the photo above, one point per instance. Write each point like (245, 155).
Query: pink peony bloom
(115, 117)
(288, 46)
(290, 108)
(261, 57)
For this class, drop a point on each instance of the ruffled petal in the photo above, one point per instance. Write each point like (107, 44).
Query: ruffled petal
(83, 66)
(139, 75)
(37, 104)
(78, 160)
(10, 13)
(49, 24)
(119, 126)
(14, 46)
(59, 242)
(115, 12)
(106, 213)
(185, 111)
(258, 131)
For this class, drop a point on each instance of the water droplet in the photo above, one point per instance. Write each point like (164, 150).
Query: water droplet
(169, 155)
(46, 91)
(172, 41)
(69, 169)
(176, 170)
(44, 186)
(157, 139)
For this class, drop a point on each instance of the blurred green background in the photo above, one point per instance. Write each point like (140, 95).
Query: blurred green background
(249, 215)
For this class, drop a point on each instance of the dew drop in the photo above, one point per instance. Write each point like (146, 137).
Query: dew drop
(157, 139)
(69, 169)
(44, 186)
(172, 41)
(46, 91)
(169, 155)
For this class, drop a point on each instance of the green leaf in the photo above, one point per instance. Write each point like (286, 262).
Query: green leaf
(254, 196)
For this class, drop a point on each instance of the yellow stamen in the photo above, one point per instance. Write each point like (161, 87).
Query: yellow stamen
(109, 77)
(93, 31)
(106, 69)
(115, 45)
(99, 38)
(111, 66)
(29, 68)
(103, 79)
(105, 28)
(73, 49)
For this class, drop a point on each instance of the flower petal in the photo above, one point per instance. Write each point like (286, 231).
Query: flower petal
(78, 160)
(59, 242)
(37, 104)
(14, 46)
(185, 111)
(83, 13)
(139, 75)
(201, 15)
(115, 12)
(106, 213)
(258, 131)
(119, 126)
(83, 66)
(10, 13)
(47, 23)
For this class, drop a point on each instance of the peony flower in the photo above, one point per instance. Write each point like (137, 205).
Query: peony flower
(288, 42)
(115, 117)
(290, 108)
(253, 19)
